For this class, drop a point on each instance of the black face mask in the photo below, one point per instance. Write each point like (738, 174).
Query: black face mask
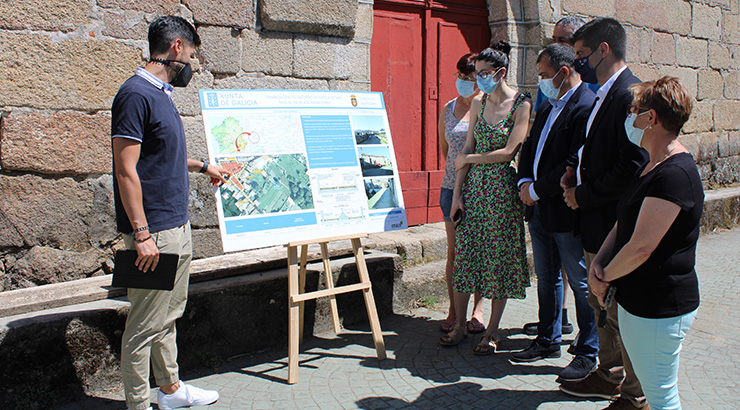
(183, 76)
(583, 67)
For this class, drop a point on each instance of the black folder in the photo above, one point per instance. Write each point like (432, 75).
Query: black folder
(127, 275)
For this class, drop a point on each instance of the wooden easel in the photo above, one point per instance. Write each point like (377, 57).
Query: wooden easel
(296, 295)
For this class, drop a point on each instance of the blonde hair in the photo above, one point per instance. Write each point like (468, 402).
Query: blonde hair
(670, 100)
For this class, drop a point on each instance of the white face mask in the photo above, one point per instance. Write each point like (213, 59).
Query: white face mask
(634, 134)
(548, 88)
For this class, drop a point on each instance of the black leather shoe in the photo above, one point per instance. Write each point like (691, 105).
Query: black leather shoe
(535, 352)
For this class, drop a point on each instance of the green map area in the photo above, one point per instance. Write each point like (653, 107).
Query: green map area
(266, 184)
(225, 135)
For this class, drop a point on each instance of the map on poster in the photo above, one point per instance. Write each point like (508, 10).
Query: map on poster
(305, 165)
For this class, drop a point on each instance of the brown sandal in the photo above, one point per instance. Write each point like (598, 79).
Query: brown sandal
(475, 326)
(457, 335)
(446, 326)
(487, 345)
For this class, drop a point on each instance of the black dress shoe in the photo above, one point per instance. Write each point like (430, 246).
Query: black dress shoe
(535, 352)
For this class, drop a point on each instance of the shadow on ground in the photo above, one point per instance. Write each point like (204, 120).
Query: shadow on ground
(466, 395)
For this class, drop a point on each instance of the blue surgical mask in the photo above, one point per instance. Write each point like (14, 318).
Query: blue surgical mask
(583, 67)
(487, 85)
(634, 134)
(465, 88)
(548, 88)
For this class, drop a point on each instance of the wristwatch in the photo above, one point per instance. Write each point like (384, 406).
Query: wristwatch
(204, 168)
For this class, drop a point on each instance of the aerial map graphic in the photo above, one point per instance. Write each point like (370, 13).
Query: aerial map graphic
(265, 184)
(256, 134)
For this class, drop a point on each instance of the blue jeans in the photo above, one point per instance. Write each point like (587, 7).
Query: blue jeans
(551, 250)
(653, 346)
(445, 202)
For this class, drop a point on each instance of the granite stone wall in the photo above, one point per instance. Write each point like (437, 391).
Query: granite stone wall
(697, 41)
(61, 63)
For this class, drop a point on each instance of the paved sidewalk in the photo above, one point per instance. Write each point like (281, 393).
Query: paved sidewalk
(341, 372)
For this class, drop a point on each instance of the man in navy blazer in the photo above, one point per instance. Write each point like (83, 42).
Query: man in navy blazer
(557, 133)
(604, 167)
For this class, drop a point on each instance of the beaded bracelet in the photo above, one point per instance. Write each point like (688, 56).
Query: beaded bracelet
(143, 228)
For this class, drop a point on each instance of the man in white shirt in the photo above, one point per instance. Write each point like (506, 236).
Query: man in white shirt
(599, 174)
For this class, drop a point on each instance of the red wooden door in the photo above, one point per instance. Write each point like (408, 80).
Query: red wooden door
(397, 42)
(414, 50)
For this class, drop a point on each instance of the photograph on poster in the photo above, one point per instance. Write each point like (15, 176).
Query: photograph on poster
(381, 193)
(339, 198)
(375, 161)
(369, 129)
(265, 184)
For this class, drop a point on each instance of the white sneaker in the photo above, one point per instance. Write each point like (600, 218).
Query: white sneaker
(186, 396)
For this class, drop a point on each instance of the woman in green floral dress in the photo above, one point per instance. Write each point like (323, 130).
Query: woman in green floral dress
(491, 255)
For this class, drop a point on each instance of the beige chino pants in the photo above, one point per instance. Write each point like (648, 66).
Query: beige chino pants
(614, 364)
(150, 335)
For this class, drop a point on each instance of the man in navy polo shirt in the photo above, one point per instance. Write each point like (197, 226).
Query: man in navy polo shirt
(151, 188)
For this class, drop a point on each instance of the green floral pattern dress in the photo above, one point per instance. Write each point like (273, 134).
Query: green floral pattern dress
(490, 255)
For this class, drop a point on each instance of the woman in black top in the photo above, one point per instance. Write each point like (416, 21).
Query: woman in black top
(647, 261)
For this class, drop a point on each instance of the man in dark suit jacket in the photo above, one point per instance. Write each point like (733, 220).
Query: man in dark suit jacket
(557, 133)
(606, 164)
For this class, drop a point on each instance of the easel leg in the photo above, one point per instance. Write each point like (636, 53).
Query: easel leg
(330, 285)
(293, 315)
(372, 312)
(302, 289)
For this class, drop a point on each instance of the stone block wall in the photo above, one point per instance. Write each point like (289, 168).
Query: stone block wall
(697, 41)
(62, 62)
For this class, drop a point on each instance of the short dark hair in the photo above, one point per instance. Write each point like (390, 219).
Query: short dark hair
(603, 30)
(166, 29)
(466, 63)
(670, 100)
(558, 55)
(571, 22)
(497, 55)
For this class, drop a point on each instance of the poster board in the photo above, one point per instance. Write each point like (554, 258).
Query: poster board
(305, 164)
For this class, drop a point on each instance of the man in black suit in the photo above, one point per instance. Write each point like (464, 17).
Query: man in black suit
(557, 133)
(604, 166)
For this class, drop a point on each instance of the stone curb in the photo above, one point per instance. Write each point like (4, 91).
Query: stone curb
(415, 243)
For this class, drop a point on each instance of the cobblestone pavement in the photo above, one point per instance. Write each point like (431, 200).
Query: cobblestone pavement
(341, 372)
